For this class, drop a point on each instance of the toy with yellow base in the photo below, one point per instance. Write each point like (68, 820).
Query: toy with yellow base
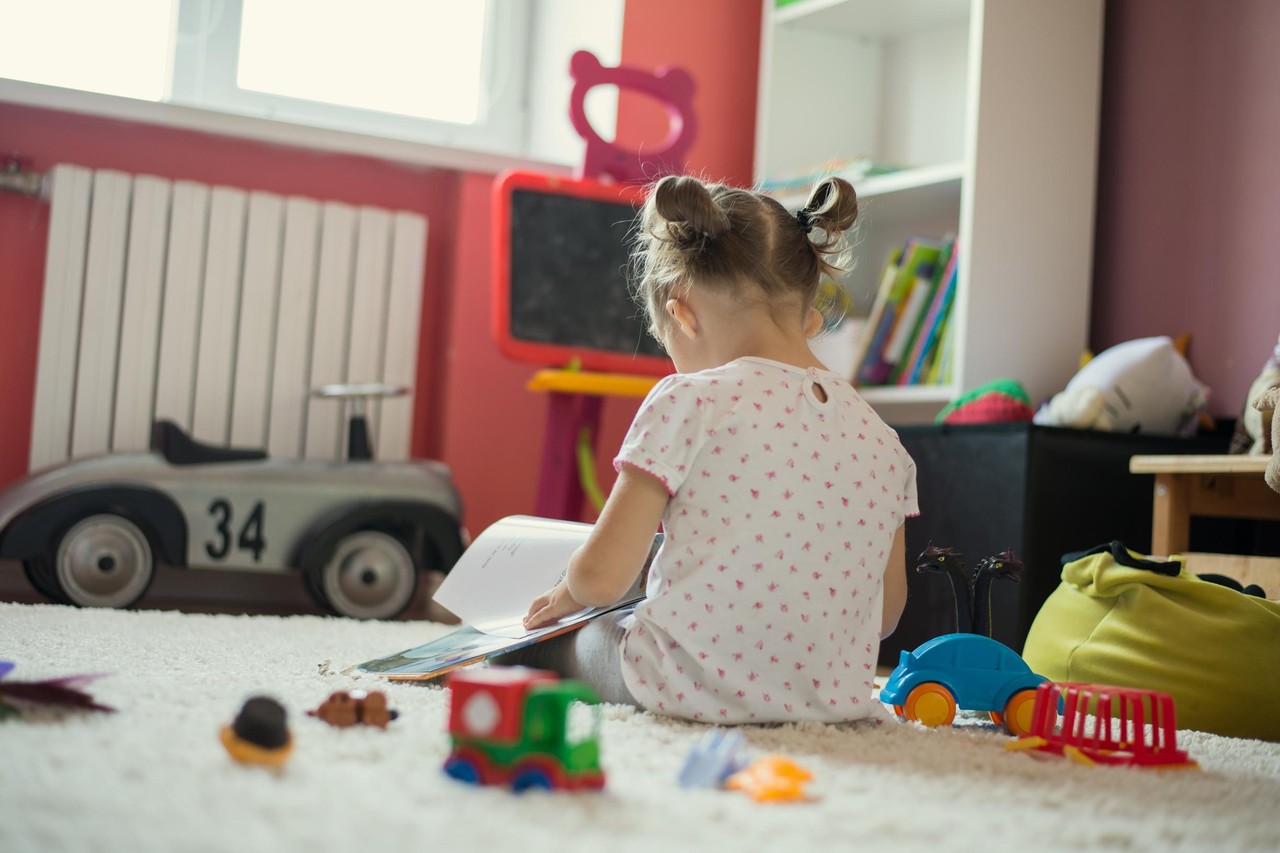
(1096, 724)
(259, 734)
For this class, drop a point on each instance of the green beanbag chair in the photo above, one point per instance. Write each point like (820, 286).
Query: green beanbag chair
(1123, 619)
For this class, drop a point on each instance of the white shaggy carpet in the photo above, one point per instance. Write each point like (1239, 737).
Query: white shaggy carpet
(154, 777)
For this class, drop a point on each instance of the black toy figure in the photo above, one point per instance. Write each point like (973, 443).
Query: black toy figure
(971, 588)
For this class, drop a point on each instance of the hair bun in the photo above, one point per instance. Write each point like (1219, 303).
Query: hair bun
(832, 205)
(686, 206)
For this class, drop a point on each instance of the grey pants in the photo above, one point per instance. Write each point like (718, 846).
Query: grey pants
(593, 654)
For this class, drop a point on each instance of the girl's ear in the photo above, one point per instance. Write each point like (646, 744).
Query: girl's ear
(684, 317)
(813, 322)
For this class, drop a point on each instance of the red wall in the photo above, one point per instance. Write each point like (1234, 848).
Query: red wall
(1189, 184)
(718, 42)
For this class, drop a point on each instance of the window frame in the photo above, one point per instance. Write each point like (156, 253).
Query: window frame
(204, 70)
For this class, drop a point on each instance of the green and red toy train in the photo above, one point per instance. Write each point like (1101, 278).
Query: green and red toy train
(515, 726)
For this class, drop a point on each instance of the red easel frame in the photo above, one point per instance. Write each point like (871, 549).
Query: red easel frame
(537, 352)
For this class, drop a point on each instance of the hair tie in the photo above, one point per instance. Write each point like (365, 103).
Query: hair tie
(804, 220)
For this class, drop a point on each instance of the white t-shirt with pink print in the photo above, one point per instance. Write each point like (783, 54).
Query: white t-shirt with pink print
(764, 602)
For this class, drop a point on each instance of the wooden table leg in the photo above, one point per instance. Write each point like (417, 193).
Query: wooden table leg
(1171, 515)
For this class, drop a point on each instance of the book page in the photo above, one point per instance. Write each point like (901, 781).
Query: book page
(511, 563)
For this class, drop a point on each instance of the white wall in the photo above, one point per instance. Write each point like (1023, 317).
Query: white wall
(558, 29)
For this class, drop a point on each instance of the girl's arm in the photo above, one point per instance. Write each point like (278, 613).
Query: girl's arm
(615, 552)
(895, 584)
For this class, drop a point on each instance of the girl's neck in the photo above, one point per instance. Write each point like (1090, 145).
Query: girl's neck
(760, 337)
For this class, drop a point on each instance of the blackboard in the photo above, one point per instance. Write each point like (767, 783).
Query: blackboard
(561, 288)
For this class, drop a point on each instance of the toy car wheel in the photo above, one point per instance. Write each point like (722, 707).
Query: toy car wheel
(930, 704)
(40, 572)
(370, 576)
(1017, 712)
(103, 561)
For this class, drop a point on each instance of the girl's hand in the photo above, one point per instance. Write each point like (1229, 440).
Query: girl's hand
(551, 607)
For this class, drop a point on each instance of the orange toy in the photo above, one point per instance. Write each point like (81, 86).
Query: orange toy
(771, 779)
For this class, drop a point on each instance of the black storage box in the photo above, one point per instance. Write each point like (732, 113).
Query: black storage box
(1042, 491)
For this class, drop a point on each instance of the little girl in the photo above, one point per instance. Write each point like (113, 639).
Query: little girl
(780, 492)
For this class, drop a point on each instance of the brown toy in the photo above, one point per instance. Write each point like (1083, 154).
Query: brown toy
(343, 709)
(1267, 402)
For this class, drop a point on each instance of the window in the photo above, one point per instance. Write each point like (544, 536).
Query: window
(117, 48)
(445, 72)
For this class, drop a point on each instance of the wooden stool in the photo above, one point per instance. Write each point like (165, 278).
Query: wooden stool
(1208, 485)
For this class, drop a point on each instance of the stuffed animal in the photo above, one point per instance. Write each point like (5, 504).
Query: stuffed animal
(1251, 434)
(1140, 386)
(1267, 404)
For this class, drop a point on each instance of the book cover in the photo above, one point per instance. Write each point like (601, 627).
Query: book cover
(940, 367)
(938, 334)
(931, 325)
(908, 322)
(932, 300)
(917, 253)
(888, 274)
(490, 588)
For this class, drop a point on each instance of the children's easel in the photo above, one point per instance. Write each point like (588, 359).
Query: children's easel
(577, 396)
(573, 422)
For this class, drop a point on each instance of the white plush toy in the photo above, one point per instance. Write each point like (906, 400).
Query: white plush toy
(1140, 386)
(1251, 433)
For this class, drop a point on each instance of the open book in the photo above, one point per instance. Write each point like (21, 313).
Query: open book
(490, 588)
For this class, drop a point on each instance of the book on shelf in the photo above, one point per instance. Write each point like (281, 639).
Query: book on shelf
(908, 317)
(490, 588)
(931, 324)
(888, 274)
(940, 365)
(916, 319)
(918, 256)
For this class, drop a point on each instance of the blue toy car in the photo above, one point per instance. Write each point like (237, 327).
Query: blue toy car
(968, 671)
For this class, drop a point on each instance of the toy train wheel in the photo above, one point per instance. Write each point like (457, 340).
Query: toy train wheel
(1017, 713)
(930, 704)
(103, 560)
(537, 774)
(532, 777)
(465, 767)
(371, 575)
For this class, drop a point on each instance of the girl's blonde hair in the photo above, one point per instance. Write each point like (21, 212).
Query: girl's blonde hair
(711, 235)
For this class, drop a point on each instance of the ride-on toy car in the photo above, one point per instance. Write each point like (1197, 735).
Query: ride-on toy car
(968, 671)
(91, 531)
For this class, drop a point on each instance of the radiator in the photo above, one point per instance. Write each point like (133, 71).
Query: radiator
(220, 309)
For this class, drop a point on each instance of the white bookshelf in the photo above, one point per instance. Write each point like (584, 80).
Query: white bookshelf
(990, 110)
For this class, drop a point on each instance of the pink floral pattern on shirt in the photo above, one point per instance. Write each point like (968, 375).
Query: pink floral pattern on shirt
(764, 601)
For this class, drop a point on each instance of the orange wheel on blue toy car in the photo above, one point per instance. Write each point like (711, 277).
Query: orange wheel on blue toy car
(1017, 712)
(930, 704)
